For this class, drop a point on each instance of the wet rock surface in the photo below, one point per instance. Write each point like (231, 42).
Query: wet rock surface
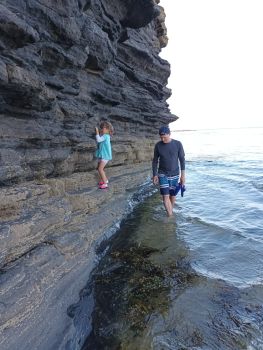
(49, 234)
(147, 296)
(65, 66)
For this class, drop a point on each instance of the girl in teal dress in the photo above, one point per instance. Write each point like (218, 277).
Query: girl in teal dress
(103, 153)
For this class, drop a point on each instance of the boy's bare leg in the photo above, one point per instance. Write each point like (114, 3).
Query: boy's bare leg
(168, 205)
(172, 200)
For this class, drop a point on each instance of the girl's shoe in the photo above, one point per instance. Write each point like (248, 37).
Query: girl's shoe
(101, 183)
(103, 186)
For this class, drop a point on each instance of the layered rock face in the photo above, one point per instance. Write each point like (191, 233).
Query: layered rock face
(64, 67)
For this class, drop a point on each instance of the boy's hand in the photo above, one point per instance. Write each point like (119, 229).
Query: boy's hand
(182, 178)
(155, 180)
(97, 131)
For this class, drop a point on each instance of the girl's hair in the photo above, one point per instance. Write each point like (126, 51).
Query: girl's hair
(107, 125)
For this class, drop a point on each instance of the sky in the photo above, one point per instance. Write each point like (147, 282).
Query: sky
(216, 54)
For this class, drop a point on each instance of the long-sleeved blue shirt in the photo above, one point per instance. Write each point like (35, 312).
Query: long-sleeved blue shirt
(169, 156)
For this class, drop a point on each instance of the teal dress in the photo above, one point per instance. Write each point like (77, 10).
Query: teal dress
(104, 147)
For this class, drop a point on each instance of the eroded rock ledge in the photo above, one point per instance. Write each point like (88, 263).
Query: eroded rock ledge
(64, 66)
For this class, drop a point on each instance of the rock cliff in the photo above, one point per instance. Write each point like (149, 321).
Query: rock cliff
(64, 67)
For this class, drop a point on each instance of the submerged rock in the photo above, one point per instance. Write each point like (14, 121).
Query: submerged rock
(147, 296)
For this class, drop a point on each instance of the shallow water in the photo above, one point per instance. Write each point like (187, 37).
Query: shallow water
(224, 207)
(147, 295)
(193, 281)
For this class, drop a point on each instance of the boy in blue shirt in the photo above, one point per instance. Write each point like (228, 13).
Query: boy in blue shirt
(169, 158)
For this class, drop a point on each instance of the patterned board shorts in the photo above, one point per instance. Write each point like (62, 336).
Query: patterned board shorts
(168, 184)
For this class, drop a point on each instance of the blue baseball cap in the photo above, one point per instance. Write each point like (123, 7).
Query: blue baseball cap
(164, 130)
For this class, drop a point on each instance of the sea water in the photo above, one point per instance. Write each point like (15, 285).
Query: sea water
(193, 281)
(222, 214)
